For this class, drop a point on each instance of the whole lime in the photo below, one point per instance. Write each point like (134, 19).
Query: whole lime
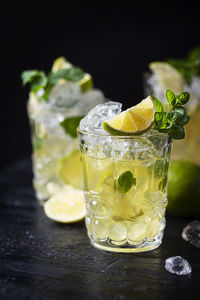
(184, 189)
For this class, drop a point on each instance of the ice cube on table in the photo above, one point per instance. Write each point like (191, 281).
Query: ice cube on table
(177, 265)
(191, 233)
(94, 119)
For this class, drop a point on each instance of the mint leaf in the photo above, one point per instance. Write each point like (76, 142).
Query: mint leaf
(126, 181)
(158, 117)
(180, 116)
(28, 76)
(36, 79)
(189, 66)
(162, 122)
(70, 125)
(158, 105)
(173, 121)
(171, 98)
(183, 98)
(177, 132)
(72, 74)
(194, 54)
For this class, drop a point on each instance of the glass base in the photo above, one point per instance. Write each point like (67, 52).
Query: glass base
(127, 248)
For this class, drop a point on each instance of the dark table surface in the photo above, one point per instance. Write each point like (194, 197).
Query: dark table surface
(42, 259)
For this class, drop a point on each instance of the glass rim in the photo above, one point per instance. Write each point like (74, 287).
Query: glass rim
(142, 136)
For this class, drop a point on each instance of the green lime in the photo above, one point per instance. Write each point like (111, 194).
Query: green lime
(184, 189)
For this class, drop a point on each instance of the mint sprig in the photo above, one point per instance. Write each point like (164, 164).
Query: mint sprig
(125, 181)
(36, 79)
(189, 66)
(172, 122)
(70, 125)
(39, 80)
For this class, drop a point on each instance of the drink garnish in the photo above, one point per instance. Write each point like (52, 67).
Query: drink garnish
(172, 122)
(125, 181)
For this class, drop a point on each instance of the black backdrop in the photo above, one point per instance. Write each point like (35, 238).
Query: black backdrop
(114, 44)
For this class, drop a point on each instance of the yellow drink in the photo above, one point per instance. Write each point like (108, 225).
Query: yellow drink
(189, 148)
(132, 221)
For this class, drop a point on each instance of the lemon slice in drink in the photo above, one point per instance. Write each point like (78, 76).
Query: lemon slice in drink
(133, 121)
(66, 206)
(167, 76)
(85, 83)
(70, 170)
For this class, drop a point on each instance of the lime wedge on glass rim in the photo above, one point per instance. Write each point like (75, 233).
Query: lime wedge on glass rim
(133, 121)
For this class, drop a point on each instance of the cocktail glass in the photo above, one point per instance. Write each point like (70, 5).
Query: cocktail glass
(188, 148)
(125, 221)
(56, 154)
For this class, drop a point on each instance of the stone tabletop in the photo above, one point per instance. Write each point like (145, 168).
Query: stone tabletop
(42, 259)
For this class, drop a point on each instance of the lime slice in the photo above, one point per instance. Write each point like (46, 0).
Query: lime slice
(133, 121)
(70, 170)
(60, 63)
(184, 189)
(167, 76)
(66, 207)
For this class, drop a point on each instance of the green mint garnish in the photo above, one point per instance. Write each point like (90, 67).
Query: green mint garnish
(70, 125)
(38, 79)
(171, 98)
(158, 105)
(72, 74)
(189, 66)
(172, 122)
(126, 181)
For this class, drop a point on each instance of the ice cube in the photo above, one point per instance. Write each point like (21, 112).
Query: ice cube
(89, 100)
(65, 95)
(191, 233)
(177, 265)
(48, 117)
(94, 119)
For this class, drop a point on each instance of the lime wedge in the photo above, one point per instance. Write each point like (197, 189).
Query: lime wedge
(167, 76)
(60, 63)
(133, 121)
(70, 170)
(66, 206)
(86, 83)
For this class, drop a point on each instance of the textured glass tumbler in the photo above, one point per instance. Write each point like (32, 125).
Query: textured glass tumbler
(125, 182)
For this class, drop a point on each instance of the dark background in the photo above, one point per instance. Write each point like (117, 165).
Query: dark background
(114, 44)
